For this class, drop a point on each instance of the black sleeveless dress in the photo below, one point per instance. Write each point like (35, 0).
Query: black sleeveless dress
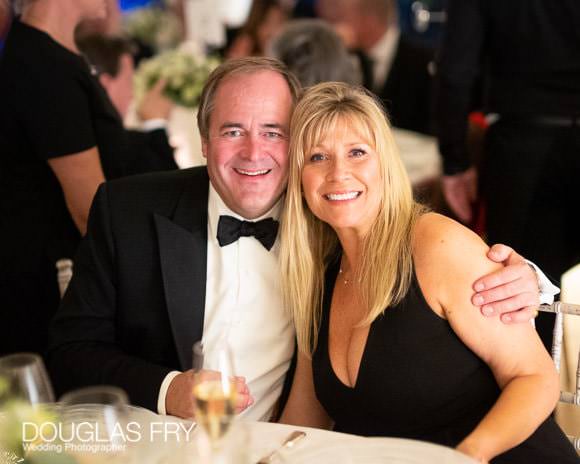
(418, 380)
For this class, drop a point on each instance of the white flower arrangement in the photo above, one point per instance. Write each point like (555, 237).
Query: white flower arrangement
(154, 26)
(185, 75)
(14, 413)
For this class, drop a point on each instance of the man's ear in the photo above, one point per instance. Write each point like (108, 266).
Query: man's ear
(105, 80)
(204, 148)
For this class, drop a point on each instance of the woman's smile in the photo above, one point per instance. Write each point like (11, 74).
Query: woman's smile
(341, 179)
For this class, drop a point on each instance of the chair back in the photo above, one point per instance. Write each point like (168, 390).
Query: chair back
(570, 397)
(64, 269)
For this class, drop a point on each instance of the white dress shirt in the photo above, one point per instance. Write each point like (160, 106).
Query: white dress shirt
(382, 55)
(243, 305)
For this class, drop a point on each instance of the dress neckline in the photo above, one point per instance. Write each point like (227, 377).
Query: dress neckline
(331, 276)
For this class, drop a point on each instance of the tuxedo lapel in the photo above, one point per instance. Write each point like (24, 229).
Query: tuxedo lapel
(366, 67)
(183, 255)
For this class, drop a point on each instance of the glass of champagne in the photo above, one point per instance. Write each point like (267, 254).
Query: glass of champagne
(24, 378)
(214, 391)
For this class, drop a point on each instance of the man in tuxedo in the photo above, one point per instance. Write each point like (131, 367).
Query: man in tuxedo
(394, 68)
(172, 258)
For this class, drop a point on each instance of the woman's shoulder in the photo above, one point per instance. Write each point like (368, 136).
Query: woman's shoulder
(444, 249)
(448, 258)
(435, 233)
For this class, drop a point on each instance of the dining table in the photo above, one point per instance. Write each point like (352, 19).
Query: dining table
(260, 439)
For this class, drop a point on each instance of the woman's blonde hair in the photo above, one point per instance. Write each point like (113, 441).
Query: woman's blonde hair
(307, 243)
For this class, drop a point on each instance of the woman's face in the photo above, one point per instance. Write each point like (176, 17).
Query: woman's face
(341, 180)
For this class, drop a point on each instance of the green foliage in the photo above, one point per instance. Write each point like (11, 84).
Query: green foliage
(184, 73)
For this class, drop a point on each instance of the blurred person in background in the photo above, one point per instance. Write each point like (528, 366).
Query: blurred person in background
(554, 239)
(5, 18)
(265, 20)
(315, 53)
(60, 136)
(394, 68)
(110, 25)
(113, 62)
(529, 51)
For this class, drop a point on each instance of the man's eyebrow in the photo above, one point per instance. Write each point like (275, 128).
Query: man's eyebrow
(230, 125)
(273, 125)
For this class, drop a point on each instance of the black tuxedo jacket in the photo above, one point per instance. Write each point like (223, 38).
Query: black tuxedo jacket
(136, 301)
(407, 91)
(139, 153)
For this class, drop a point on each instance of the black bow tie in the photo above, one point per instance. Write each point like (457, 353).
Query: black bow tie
(230, 229)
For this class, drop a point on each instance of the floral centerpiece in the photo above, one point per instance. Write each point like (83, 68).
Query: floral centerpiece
(154, 26)
(14, 415)
(185, 75)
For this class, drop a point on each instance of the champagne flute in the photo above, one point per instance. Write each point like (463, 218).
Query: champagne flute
(25, 378)
(214, 390)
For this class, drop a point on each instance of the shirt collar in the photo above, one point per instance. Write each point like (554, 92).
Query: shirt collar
(386, 45)
(383, 53)
(216, 208)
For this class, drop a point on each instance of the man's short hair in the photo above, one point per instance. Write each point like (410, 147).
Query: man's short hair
(234, 67)
(104, 53)
(315, 53)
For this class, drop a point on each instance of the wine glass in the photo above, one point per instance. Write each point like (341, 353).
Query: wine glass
(95, 420)
(214, 390)
(25, 379)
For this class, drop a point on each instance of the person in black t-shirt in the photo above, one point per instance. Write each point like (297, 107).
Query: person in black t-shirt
(59, 137)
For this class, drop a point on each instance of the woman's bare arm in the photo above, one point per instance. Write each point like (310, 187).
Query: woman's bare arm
(79, 176)
(302, 407)
(522, 367)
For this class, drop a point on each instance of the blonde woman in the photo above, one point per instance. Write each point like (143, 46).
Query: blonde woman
(380, 293)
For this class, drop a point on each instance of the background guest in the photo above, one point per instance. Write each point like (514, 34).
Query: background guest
(60, 137)
(265, 19)
(112, 58)
(315, 53)
(146, 150)
(110, 25)
(50, 162)
(5, 19)
(552, 232)
(529, 53)
(394, 68)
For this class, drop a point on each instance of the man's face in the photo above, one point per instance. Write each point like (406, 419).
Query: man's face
(247, 147)
(92, 9)
(120, 87)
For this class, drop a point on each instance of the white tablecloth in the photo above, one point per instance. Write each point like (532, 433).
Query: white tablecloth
(420, 155)
(319, 446)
